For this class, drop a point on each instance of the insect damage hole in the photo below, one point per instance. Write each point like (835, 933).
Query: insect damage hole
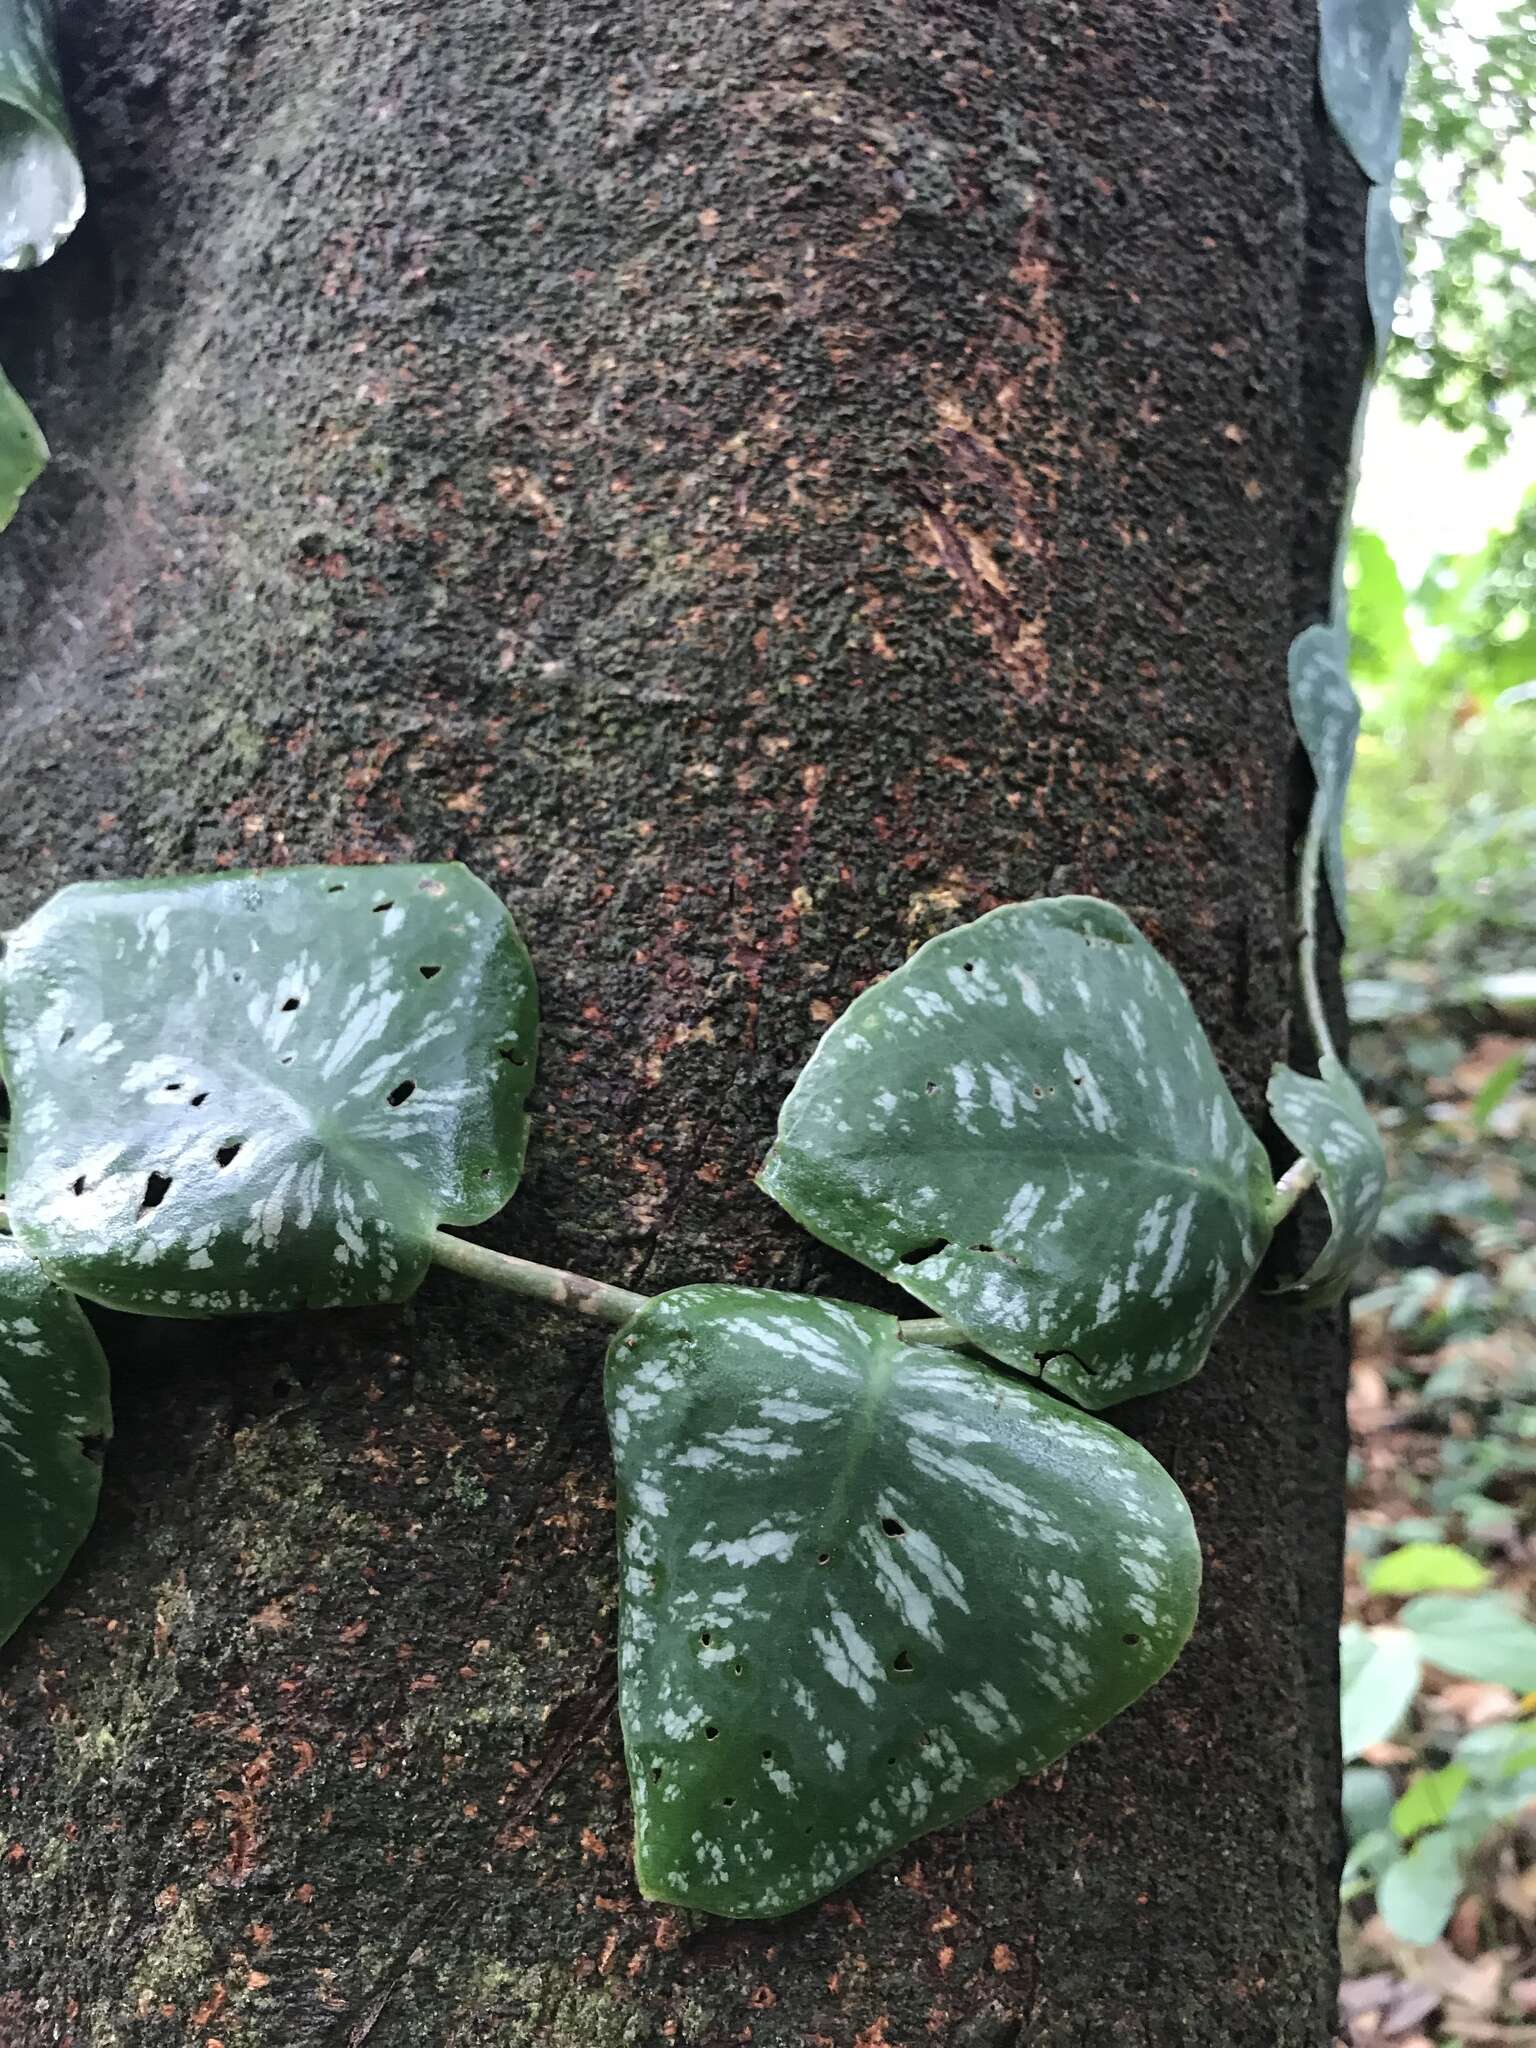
(902, 1662)
(292, 1003)
(711, 1732)
(427, 973)
(387, 904)
(512, 1056)
(227, 1154)
(400, 1093)
(891, 1526)
(77, 1185)
(916, 1255)
(199, 1100)
(156, 1188)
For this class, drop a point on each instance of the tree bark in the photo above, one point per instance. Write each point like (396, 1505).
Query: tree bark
(761, 483)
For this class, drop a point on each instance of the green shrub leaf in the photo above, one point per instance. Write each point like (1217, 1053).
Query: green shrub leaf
(1379, 1675)
(1430, 1799)
(1417, 1895)
(1483, 1636)
(42, 192)
(1426, 1568)
(1363, 52)
(866, 1586)
(1327, 715)
(1025, 1127)
(243, 1092)
(54, 1410)
(23, 451)
(1327, 1121)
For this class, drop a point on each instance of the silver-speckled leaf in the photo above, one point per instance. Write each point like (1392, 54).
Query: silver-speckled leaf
(866, 1586)
(23, 451)
(1363, 52)
(1025, 1127)
(1327, 1121)
(42, 192)
(241, 1092)
(1327, 715)
(54, 1410)
(1383, 266)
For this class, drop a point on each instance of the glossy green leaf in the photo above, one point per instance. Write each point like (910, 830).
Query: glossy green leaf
(1025, 1127)
(1383, 266)
(866, 1586)
(1483, 1636)
(54, 1410)
(1379, 1675)
(1430, 1799)
(1327, 1121)
(1363, 52)
(1425, 1568)
(1327, 715)
(242, 1092)
(23, 451)
(42, 192)
(1417, 1895)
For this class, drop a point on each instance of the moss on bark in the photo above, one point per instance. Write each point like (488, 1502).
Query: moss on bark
(761, 483)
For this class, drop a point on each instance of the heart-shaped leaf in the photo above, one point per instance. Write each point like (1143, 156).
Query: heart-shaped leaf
(1363, 52)
(1327, 715)
(1025, 1127)
(1327, 1121)
(242, 1092)
(54, 1410)
(866, 1586)
(1383, 266)
(42, 193)
(23, 451)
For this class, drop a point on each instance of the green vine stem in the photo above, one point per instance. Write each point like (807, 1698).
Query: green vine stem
(1300, 1175)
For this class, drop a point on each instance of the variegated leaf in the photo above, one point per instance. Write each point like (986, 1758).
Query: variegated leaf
(54, 1414)
(1026, 1128)
(23, 451)
(866, 1586)
(1327, 715)
(1363, 52)
(42, 191)
(241, 1092)
(1327, 1121)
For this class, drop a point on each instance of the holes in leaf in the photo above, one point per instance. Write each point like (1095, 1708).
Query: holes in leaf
(891, 1526)
(902, 1662)
(286, 1060)
(919, 1252)
(200, 1099)
(156, 1188)
(969, 966)
(400, 1093)
(823, 1557)
(737, 1670)
(387, 904)
(705, 1637)
(292, 1003)
(227, 1154)
(711, 1732)
(77, 1186)
(66, 1034)
(655, 1774)
(335, 888)
(930, 1087)
(728, 1801)
(512, 1056)
(93, 1448)
(767, 1756)
(427, 973)
(172, 1086)
(238, 975)
(1130, 1642)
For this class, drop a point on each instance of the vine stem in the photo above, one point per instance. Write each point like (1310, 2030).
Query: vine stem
(598, 1298)
(1307, 888)
(1300, 1175)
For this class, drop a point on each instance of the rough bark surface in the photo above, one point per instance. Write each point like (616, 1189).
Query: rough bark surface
(761, 483)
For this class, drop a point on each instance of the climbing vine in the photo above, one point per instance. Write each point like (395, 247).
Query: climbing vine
(873, 1571)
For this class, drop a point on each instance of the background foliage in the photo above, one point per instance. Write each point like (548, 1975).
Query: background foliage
(1439, 1925)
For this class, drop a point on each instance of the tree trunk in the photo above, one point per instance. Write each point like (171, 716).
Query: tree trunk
(761, 483)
